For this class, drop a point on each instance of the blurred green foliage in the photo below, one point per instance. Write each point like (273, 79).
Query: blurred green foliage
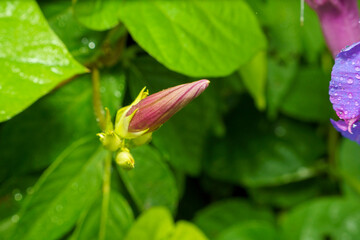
(254, 157)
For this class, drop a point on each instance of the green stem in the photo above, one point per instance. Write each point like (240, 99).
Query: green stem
(98, 108)
(332, 148)
(106, 196)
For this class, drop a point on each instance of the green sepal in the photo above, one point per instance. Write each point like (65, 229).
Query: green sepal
(110, 140)
(122, 121)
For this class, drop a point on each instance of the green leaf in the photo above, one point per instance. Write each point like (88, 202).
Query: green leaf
(264, 154)
(65, 188)
(309, 82)
(255, 230)
(327, 218)
(288, 195)
(288, 39)
(223, 214)
(349, 167)
(27, 131)
(119, 220)
(82, 42)
(13, 192)
(185, 230)
(33, 60)
(196, 38)
(190, 125)
(180, 154)
(154, 224)
(254, 76)
(112, 89)
(69, 116)
(97, 14)
(150, 183)
(7, 226)
(281, 76)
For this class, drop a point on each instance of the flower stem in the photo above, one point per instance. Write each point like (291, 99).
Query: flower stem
(105, 196)
(98, 108)
(332, 147)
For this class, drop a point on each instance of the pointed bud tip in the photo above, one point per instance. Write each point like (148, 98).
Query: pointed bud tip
(200, 85)
(204, 83)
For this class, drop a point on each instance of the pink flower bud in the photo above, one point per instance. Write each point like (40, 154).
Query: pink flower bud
(154, 110)
(339, 21)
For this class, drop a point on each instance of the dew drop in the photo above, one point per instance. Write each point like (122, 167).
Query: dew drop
(30, 190)
(18, 197)
(357, 69)
(280, 131)
(84, 40)
(354, 125)
(117, 93)
(339, 98)
(357, 76)
(15, 218)
(59, 208)
(92, 46)
(356, 103)
(350, 95)
(56, 70)
(350, 81)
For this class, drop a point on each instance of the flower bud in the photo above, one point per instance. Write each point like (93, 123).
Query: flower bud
(339, 21)
(147, 114)
(124, 159)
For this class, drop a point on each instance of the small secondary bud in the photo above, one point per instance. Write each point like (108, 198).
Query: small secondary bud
(124, 159)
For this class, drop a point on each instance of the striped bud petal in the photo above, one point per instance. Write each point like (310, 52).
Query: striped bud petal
(154, 110)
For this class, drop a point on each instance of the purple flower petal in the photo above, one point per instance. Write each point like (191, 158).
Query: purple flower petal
(342, 127)
(339, 22)
(344, 87)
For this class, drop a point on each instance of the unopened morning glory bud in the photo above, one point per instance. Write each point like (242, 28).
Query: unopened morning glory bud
(339, 22)
(344, 90)
(148, 113)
